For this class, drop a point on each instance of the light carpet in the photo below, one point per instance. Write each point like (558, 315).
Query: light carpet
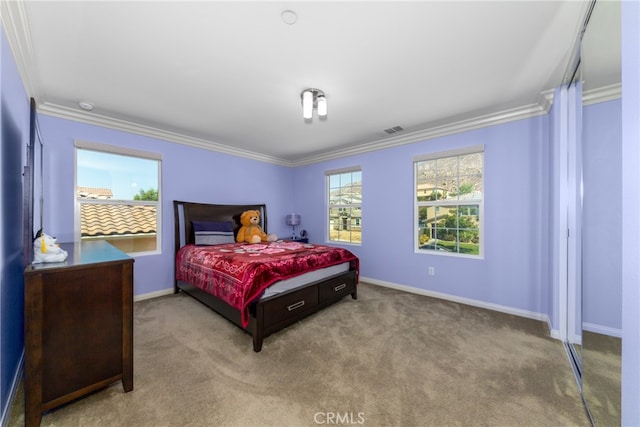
(389, 358)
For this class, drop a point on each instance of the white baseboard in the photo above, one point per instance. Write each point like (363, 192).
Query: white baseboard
(603, 330)
(468, 301)
(154, 294)
(553, 333)
(6, 411)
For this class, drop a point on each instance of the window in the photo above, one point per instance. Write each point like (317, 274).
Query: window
(118, 197)
(449, 202)
(344, 188)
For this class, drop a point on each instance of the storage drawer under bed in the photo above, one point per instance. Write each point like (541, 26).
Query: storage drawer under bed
(335, 289)
(290, 305)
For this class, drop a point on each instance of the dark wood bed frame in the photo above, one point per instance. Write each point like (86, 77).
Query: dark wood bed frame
(271, 314)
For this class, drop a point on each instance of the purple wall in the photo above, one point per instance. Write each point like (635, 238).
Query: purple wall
(14, 124)
(188, 174)
(511, 273)
(630, 213)
(602, 217)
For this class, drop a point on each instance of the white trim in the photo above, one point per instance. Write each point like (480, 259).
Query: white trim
(154, 294)
(527, 111)
(433, 252)
(562, 227)
(602, 94)
(545, 99)
(126, 126)
(603, 330)
(113, 149)
(553, 333)
(506, 116)
(472, 149)
(542, 107)
(13, 390)
(15, 23)
(343, 170)
(468, 301)
(574, 212)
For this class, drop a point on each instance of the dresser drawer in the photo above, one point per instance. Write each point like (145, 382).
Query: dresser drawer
(336, 288)
(291, 304)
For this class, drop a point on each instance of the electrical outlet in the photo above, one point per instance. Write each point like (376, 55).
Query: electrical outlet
(432, 271)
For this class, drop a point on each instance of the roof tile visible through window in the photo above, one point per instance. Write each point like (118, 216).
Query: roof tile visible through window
(94, 193)
(113, 220)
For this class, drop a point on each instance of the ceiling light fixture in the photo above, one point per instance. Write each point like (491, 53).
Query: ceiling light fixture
(313, 98)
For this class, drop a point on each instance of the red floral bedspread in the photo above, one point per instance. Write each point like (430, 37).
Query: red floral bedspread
(237, 273)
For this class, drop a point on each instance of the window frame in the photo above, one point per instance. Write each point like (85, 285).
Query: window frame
(122, 151)
(328, 206)
(474, 149)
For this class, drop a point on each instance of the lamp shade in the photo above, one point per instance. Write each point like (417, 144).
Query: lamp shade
(293, 219)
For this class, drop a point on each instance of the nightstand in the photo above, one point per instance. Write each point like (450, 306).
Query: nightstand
(300, 240)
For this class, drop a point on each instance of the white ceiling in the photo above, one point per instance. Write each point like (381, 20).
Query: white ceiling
(601, 47)
(228, 75)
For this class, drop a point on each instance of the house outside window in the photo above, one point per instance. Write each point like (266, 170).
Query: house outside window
(344, 190)
(118, 197)
(449, 202)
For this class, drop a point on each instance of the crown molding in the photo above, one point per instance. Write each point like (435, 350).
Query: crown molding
(545, 99)
(492, 119)
(14, 20)
(602, 94)
(532, 110)
(126, 126)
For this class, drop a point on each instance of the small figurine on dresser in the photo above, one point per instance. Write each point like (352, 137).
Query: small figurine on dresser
(45, 249)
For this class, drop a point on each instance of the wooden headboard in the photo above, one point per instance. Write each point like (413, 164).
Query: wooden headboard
(185, 212)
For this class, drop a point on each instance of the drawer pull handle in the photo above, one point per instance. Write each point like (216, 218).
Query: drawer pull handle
(339, 287)
(295, 305)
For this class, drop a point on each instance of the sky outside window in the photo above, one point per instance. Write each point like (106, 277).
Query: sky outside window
(125, 176)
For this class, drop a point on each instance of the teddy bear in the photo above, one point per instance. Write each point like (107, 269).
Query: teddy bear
(45, 249)
(250, 230)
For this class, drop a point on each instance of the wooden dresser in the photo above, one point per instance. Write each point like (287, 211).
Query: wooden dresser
(78, 326)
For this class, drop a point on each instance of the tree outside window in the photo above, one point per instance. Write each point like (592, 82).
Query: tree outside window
(118, 193)
(449, 203)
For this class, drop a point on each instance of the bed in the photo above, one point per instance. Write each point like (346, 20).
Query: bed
(304, 278)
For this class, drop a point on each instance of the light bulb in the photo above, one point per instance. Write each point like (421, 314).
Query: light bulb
(322, 106)
(307, 104)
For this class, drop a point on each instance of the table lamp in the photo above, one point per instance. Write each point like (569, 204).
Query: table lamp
(293, 220)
